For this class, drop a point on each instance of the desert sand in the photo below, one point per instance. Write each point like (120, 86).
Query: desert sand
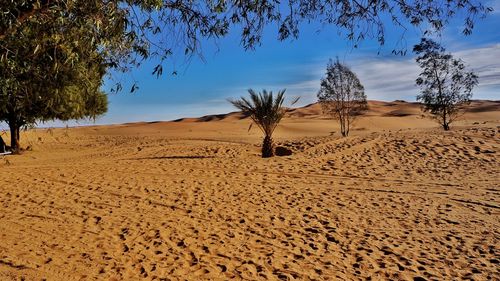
(192, 200)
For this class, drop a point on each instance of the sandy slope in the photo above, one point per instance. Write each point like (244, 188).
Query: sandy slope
(398, 200)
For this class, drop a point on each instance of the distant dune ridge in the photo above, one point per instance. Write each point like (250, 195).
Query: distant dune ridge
(399, 199)
(307, 121)
(375, 108)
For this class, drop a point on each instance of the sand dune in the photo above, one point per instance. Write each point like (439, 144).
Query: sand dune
(397, 200)
(375, 108)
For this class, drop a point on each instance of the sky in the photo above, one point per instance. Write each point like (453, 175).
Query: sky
(203, 86)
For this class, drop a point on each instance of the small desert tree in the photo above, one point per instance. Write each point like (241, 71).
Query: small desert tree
(446, 86)
(266, 111)
(342, 95)
(28, 91)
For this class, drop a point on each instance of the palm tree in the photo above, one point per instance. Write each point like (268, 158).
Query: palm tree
(266, 111)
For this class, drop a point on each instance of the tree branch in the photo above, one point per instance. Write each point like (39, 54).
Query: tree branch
(23, 15)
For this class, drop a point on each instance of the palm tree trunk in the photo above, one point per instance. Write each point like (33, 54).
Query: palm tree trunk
(267, 147)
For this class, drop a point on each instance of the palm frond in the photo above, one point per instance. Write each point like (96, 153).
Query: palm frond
(265, 109)
(295, 100)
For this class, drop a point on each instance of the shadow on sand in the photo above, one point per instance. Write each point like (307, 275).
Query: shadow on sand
(174, 157)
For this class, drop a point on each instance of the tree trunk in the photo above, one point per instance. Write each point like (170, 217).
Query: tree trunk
(347, 129)
(3, 146)
(14, 137)
(446, 124)
(267, 147)
(342, 126)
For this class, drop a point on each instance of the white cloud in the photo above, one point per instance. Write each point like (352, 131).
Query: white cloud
(386, 78)
(485, 62)
(495, 4)
(391, 78)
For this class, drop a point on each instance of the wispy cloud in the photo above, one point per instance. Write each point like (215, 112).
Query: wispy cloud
(485, 62)
(387, 78)
(390, 78)
(495, 4)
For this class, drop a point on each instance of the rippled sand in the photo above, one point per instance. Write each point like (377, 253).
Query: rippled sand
(193, 200)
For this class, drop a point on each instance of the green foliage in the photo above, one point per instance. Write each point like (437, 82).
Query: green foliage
(342, 95)
(446, 86)
(129, 31)
(47, 77)
(266, 112)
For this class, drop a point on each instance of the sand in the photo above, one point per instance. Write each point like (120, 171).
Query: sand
(192, 200)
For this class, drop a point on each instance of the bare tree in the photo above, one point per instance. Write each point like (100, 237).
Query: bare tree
(446, 86)
(342, 95)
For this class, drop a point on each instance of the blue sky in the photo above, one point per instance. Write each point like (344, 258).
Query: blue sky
(227, 70)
